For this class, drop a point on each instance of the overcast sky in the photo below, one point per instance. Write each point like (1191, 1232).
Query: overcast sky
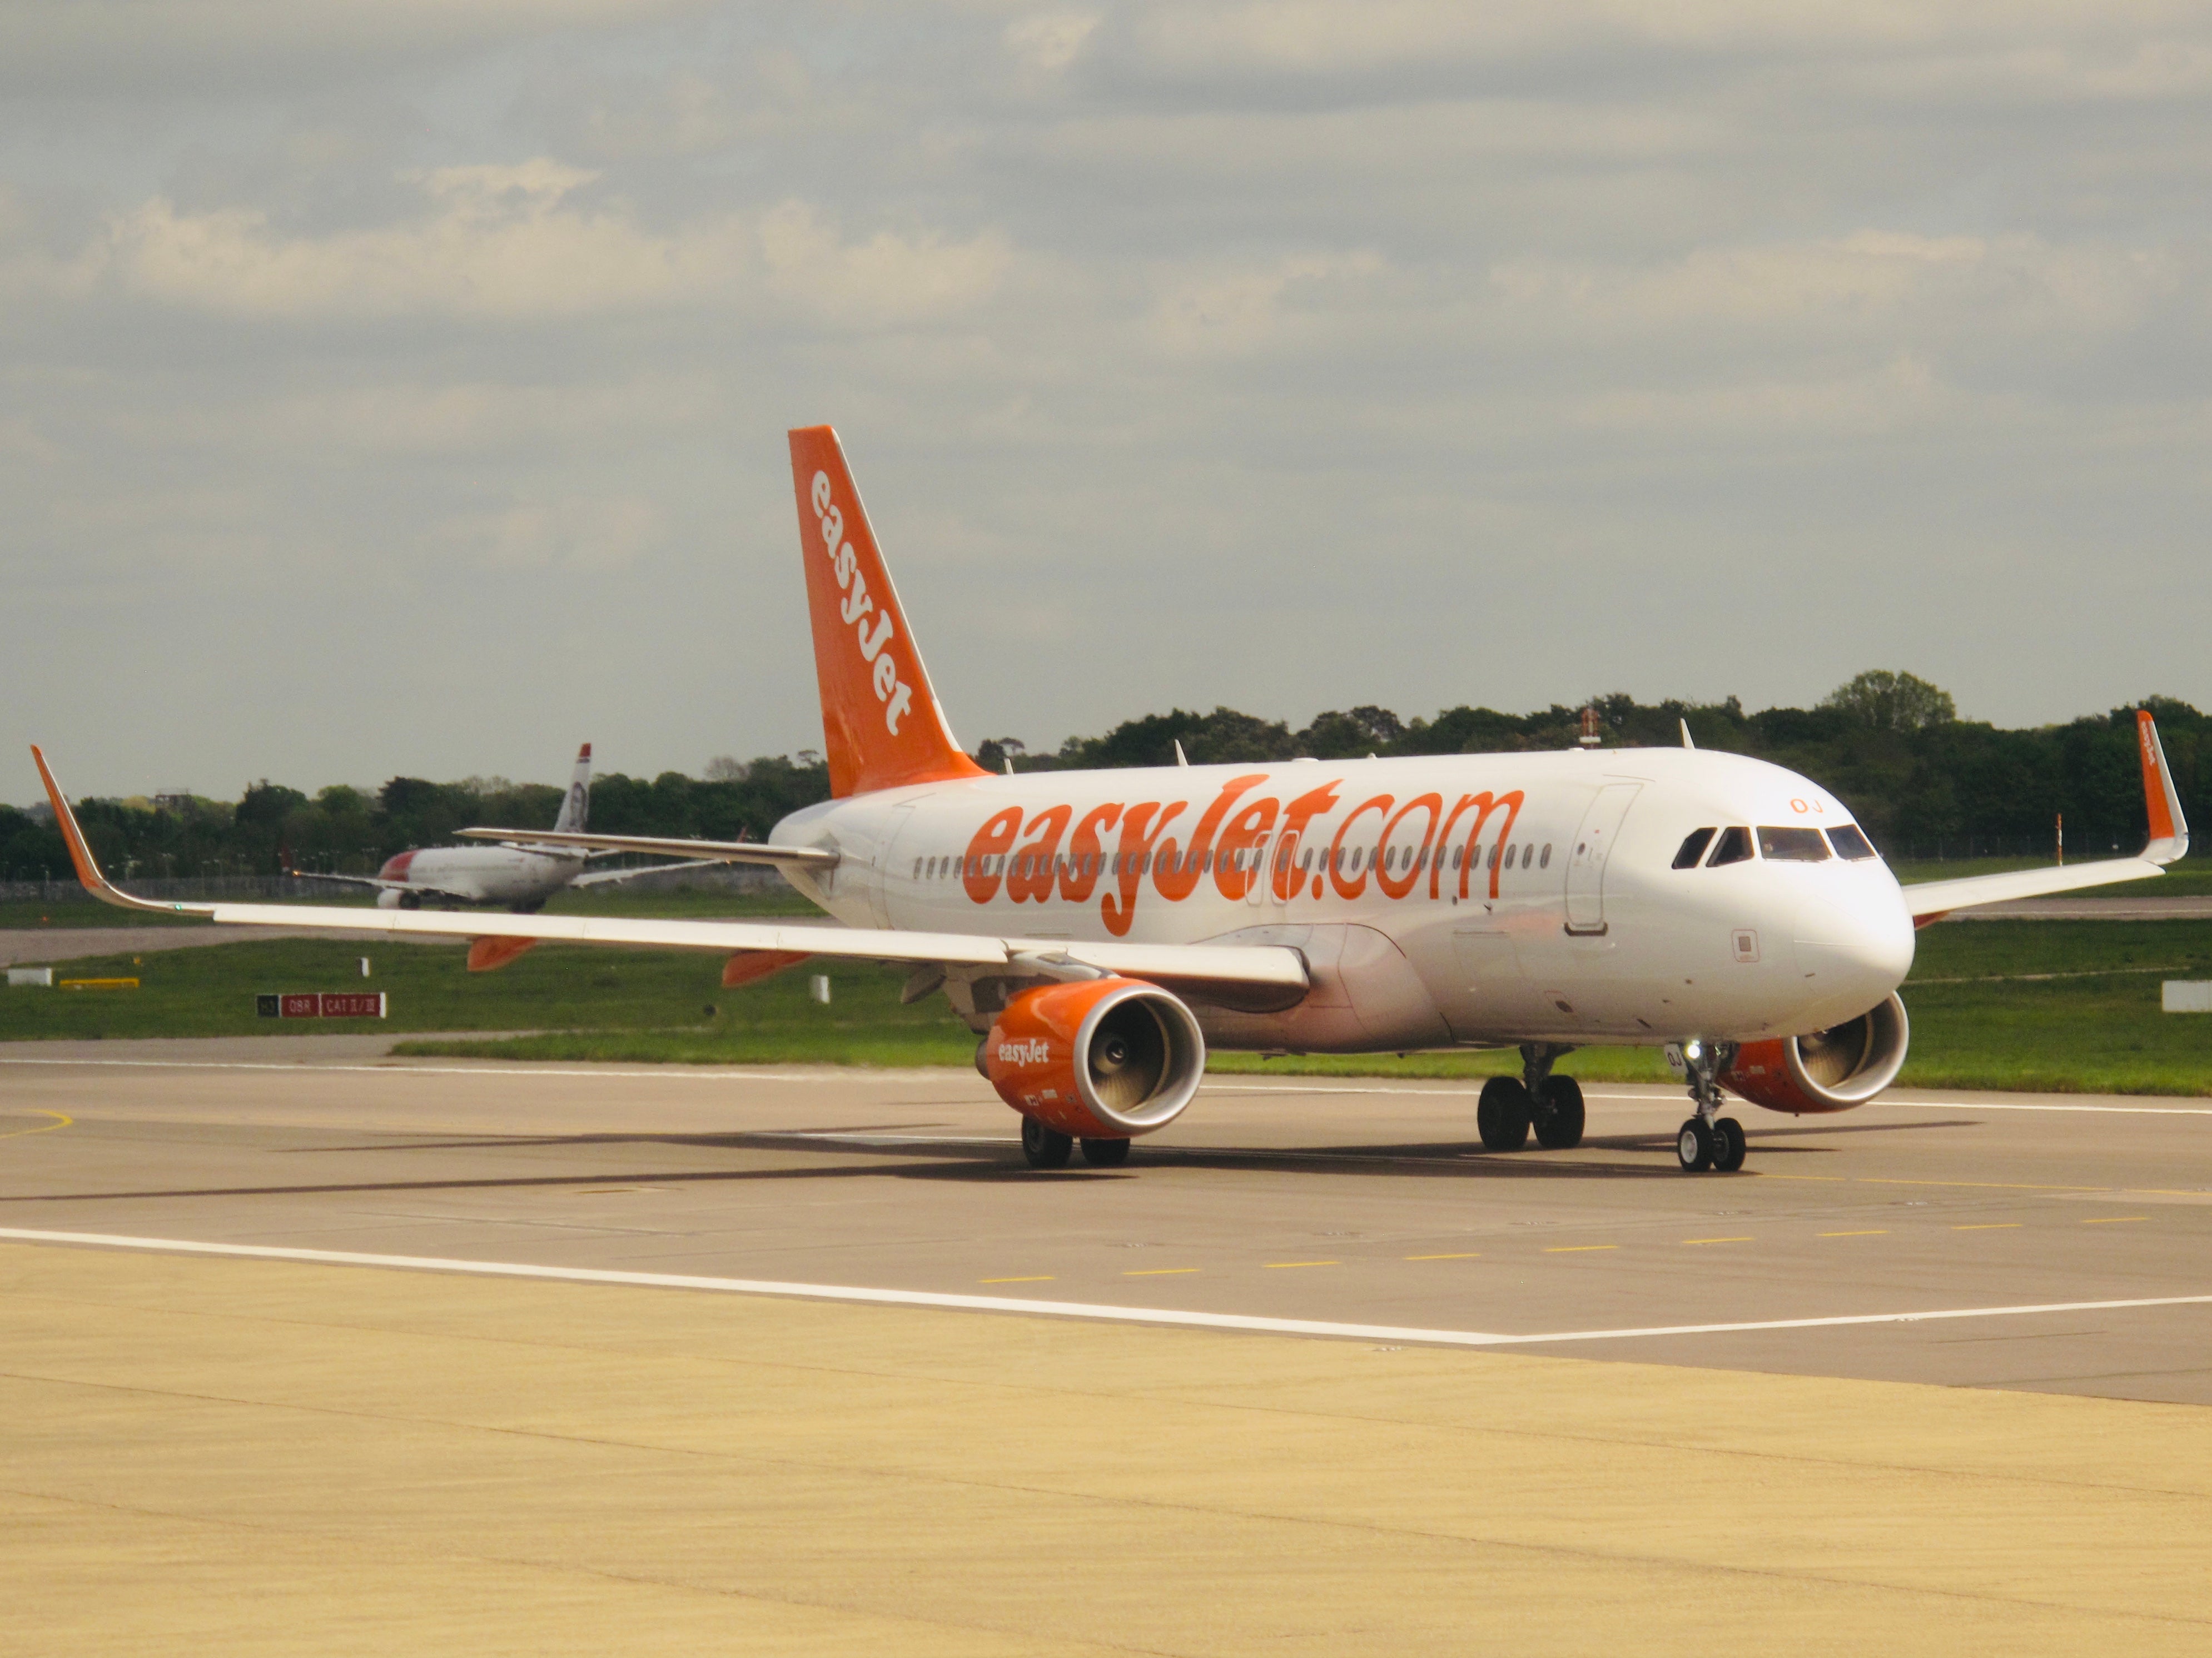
(401, 387)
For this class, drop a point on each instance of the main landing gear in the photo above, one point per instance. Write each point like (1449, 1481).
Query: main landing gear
(1048, 1148)
(1511, 1106)
(1709, 1140)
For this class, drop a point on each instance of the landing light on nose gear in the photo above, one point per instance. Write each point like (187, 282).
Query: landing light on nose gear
(1709, 1140)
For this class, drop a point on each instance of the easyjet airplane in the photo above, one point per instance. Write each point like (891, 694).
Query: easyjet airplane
(1099, 929)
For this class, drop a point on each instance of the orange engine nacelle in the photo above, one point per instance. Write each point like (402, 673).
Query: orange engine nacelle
(1102, 1059)
(1831, 1070)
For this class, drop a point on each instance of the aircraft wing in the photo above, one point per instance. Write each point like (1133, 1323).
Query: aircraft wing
(1931, 901)
(607, 878)
(1265, 968)
(373, 883)
(377, 883)
(714, 852)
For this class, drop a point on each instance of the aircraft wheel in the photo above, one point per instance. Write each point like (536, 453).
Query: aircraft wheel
(1105, 1154)
(410, 901)
(1694, 1147)
(1728, 1145)
(1501, 1116)
(1559, 1114)
(1045, 1148)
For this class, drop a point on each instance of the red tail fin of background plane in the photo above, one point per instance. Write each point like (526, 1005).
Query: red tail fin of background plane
(881, 724)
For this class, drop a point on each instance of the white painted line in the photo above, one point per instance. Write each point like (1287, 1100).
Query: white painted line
(1104, 1314)
(402, 1068)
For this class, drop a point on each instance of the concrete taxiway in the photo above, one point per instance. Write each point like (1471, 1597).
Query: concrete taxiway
(1357, 1201)
(256, 1451)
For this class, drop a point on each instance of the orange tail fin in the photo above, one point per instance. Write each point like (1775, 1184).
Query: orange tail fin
(881, 723)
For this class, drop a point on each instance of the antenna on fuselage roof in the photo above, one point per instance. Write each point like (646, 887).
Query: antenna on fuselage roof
(1010, 764)
(1180, 758)
(1685, 735)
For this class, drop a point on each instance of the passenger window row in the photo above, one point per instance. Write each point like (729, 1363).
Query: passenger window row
(1349, 860)
(1791, 844)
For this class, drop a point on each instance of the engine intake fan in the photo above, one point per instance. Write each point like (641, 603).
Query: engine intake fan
(1831, 1070)
(1099, 1059)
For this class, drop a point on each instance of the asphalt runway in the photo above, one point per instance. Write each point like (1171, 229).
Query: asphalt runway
(1357, 1203)
(374, 1356)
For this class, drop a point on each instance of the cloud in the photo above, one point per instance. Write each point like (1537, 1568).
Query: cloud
(576, 532)
(523, 243)
(504, 303)
(1239, 312)
(497, 242)
(1323, 37)
(1047, 42)
(196, 47)
(1871, 281)
(885, 281)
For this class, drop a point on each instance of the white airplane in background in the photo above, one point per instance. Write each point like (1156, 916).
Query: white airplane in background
(521, 874)
(1098, 929)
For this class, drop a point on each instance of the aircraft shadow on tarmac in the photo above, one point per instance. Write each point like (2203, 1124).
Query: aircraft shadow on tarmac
(870, 1148)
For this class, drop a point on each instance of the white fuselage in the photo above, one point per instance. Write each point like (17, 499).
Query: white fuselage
(1466, 899)
(479, 875)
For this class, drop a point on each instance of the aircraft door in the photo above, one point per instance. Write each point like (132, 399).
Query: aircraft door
(1276, 876)
(1587, 856)
(885, 876)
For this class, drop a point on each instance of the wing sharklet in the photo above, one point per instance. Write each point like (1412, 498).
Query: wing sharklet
(1931, 901)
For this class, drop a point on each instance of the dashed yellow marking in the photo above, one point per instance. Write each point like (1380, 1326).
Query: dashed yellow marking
(1471, 1255)
(1686, 1241)
(59, 1121)
(1578, 1249)
(1041, 1278)
(1982, 1185)
(1158, 1272)
(2112, 1220)
(1275, 1265)
(1990, 1226)
(1878, 1232)
(1985, 1185)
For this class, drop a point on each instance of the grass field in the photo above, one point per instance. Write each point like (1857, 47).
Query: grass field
(74, 907)
(2056, 1006)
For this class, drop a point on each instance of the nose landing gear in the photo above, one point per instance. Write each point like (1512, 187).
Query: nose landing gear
(1709, 1140)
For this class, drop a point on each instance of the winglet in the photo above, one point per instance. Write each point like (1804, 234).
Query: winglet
(88, 867)
(2169, 829)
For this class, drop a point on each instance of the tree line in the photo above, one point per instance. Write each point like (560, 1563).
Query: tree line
(1890, 746)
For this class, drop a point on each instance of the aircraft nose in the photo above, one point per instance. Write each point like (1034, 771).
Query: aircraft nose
(1858, 948)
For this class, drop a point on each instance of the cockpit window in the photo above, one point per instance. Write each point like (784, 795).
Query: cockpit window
(1849, 842)
(1693, 847)
(1792, 846)
(1734, 846)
